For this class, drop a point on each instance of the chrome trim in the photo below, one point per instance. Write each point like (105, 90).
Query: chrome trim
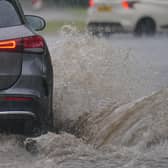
(17, 113)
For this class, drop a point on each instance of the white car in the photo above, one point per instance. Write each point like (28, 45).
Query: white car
(138, 16)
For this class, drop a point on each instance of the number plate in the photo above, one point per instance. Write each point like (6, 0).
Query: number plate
(104, 8)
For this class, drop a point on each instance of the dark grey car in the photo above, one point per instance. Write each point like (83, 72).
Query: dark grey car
(26, 75)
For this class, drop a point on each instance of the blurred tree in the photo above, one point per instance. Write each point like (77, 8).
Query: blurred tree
(82, 3)
(63, 3)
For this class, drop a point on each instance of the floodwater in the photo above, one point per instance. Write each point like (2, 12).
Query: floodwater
(110, 102)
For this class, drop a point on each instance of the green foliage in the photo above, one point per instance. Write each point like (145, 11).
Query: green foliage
(55, 26)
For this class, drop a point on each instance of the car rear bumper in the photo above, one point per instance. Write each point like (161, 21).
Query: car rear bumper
(98, 27)
(119, 17)
(22, 107)
(114, 26)
(17, 115)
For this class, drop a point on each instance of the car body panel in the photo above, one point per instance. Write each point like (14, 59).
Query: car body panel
(14, 32)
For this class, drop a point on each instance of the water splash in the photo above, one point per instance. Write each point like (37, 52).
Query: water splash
(89, 74)
(143, 122)
(92, 74)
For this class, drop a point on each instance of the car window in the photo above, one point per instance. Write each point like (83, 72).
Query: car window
(8, 14)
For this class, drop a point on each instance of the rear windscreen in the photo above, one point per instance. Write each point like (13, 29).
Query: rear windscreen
(8, 15)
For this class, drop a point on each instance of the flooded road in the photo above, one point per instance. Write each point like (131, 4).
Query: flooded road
(112, 95)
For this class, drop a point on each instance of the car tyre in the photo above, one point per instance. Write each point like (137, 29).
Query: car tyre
(145, 27)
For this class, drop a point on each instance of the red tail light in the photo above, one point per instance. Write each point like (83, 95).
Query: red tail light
(91, 3)
(22, 44)
(17, 99)
(8, 44)
(33, 42)
(128, 4)
(125, 4)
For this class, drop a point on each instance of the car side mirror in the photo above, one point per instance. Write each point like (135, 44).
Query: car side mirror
(35, 22)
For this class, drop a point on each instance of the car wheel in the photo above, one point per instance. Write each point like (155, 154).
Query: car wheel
(145, 27)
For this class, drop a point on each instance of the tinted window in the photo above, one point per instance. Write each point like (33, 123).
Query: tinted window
(8, 14)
